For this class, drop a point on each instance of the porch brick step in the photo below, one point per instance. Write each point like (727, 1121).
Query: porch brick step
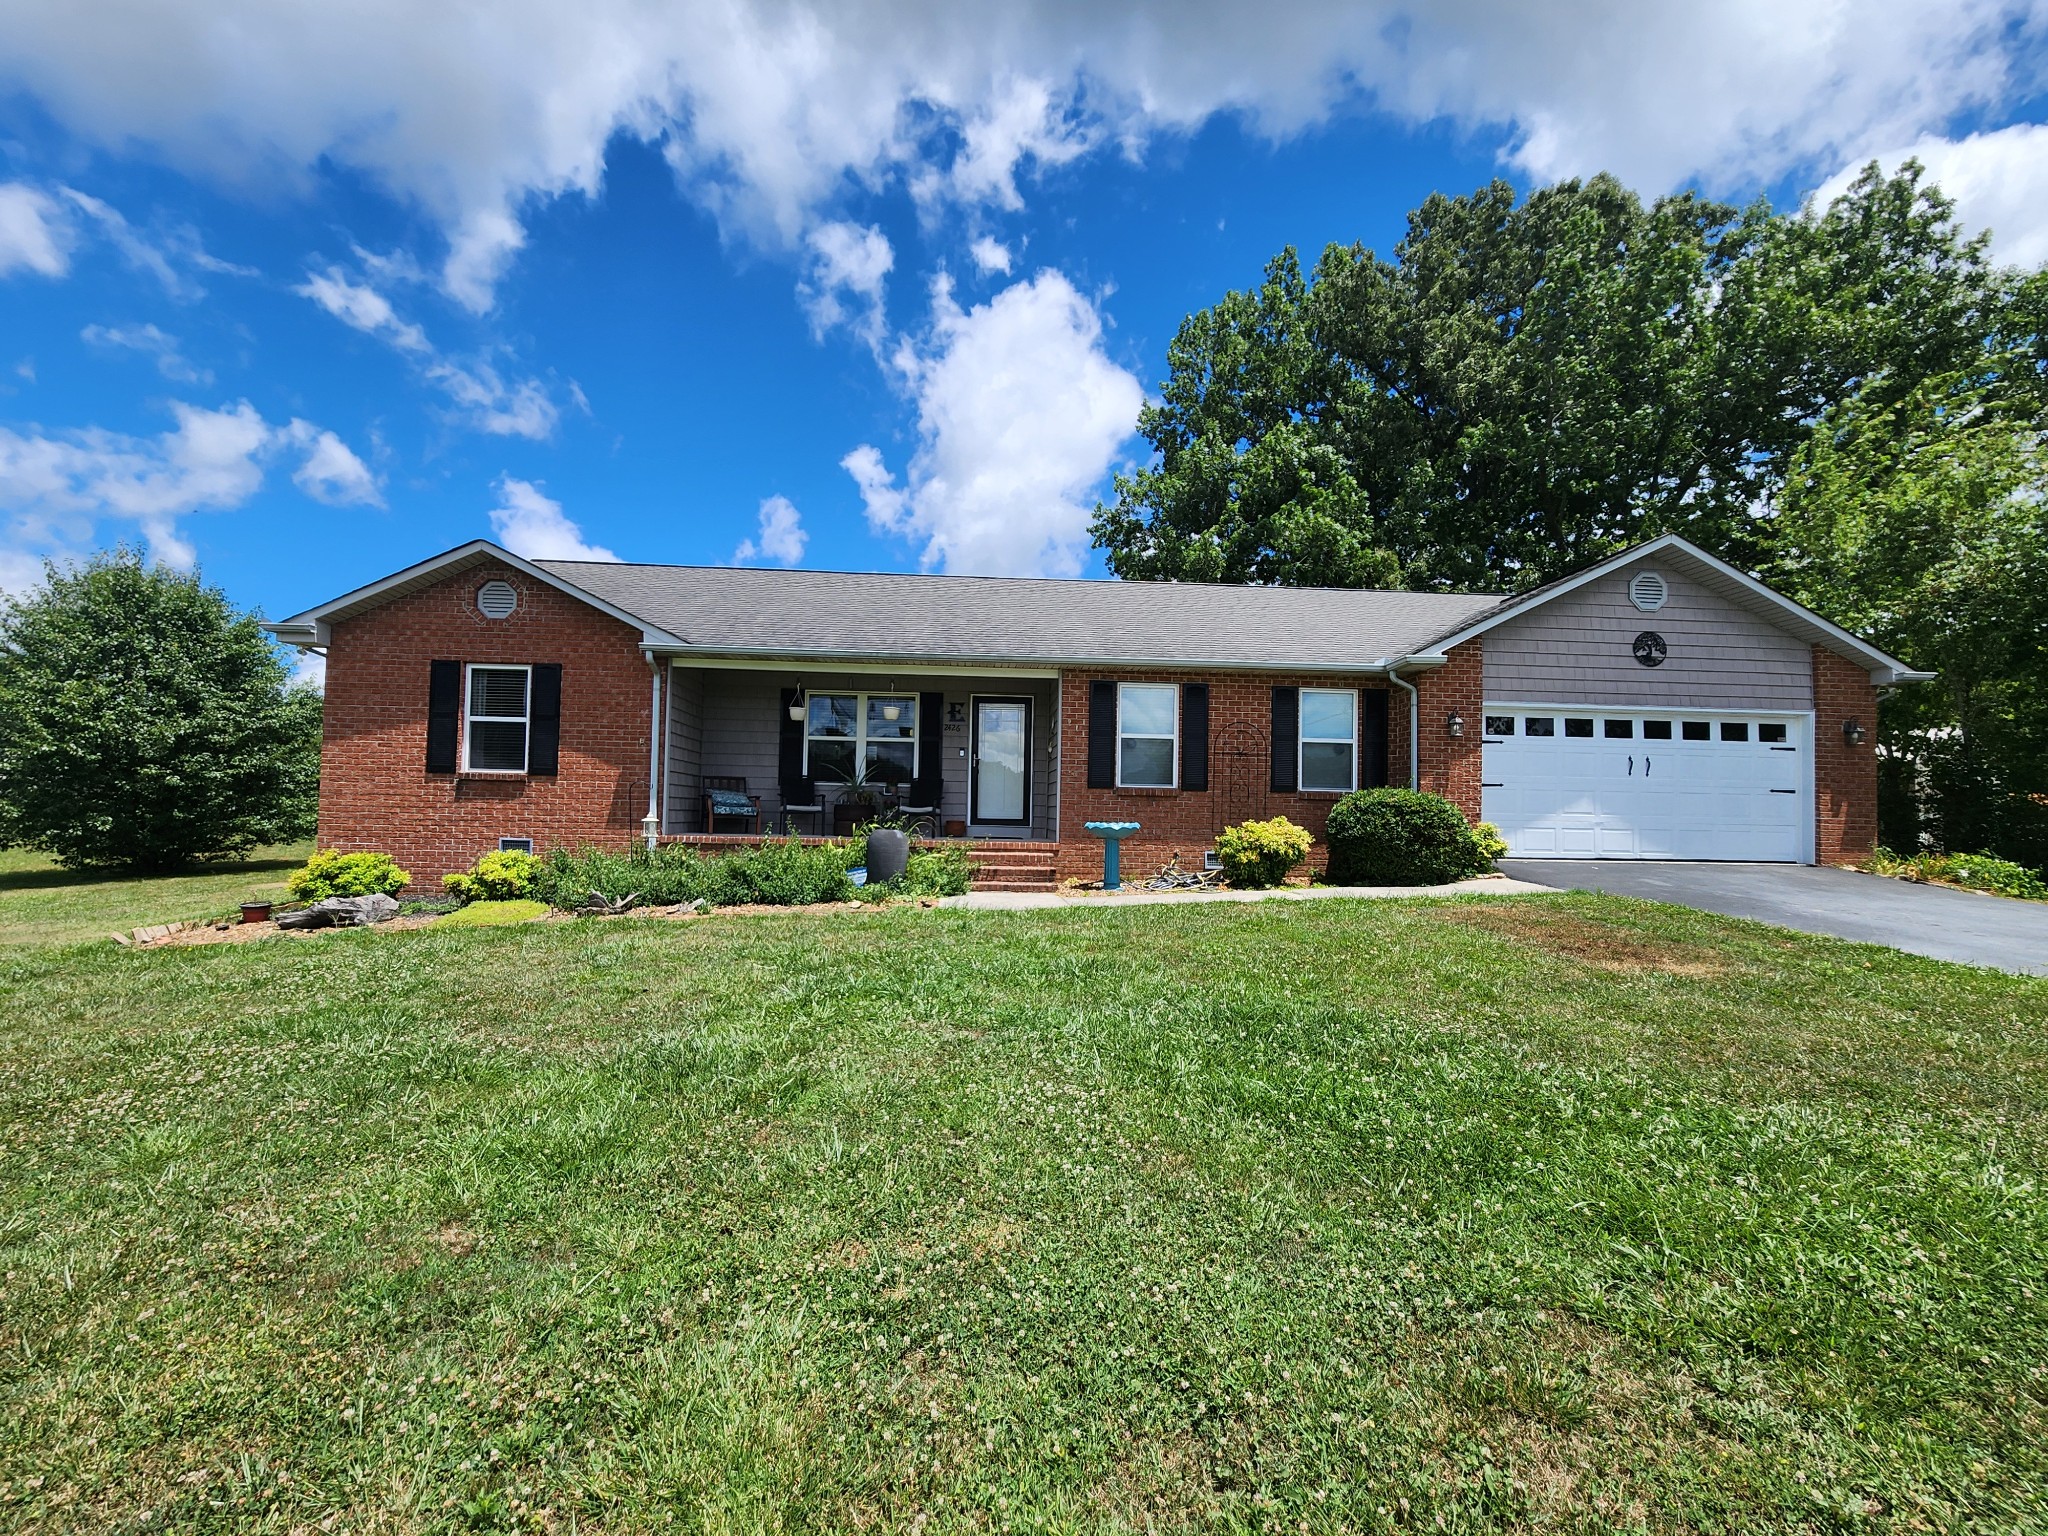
(1012, 860)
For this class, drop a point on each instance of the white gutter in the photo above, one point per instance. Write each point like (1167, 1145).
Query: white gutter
(1414, 722)
(1428, 661)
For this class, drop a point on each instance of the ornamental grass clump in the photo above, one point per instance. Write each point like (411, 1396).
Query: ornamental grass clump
(1257, 854)
(506, 875)
(331, 872)
(1404, 837)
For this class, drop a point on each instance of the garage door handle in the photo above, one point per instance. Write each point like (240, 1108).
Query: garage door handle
(1646, 767)
(1784, 791)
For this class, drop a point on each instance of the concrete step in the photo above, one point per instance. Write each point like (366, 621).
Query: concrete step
(1014, 885)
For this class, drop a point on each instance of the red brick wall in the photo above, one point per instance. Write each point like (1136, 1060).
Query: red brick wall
(1187, 821)
(1449, 766)
(1844, 776)
(375, 791)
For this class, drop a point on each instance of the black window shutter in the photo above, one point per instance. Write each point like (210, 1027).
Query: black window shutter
(444, 710)
(1102, 735)
(931, 748)
(1372, 737)
(789, 754)
(1194, 735)
(544, 727)
(1286, 739)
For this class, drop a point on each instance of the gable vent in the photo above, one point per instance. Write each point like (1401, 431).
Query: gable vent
(1647, 590)
(496, 599)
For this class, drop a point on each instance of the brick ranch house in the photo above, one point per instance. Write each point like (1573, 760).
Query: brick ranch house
(1660, 705)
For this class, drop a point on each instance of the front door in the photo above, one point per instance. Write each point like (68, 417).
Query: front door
(1002, 761)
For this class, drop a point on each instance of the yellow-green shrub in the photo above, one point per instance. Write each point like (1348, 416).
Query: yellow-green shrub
(503, 876)
(1262, 853)
(331, 872)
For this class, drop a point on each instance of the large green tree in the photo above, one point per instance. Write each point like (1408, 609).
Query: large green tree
(143, 722)
(1921, 520)
(1526, 387)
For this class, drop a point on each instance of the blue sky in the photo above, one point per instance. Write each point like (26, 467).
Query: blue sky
(303, 293)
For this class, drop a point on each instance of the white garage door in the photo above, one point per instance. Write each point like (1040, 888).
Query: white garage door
(1566, 782)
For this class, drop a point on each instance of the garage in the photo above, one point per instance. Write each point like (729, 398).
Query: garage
(1575, 782)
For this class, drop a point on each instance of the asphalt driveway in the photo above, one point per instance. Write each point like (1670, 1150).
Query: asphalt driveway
(1921, 919)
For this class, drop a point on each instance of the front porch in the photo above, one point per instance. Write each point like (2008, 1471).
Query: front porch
(974, 755)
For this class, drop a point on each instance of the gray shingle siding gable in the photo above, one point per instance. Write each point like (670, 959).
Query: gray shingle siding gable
(1022, 621)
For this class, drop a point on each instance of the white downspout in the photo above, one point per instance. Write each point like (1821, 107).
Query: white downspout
(650, 824)
(1414, 727)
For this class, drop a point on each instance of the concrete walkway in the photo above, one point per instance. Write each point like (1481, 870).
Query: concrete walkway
(1933, 920)
(1131, 896)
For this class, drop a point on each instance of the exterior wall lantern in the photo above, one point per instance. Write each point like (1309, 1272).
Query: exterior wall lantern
(1853, 732)
(1455, 724)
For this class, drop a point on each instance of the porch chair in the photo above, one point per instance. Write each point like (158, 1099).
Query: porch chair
(800, 797)
(727, 799)
(921, 805)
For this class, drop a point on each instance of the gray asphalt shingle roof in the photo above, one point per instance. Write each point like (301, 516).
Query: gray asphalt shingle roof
(983, 618)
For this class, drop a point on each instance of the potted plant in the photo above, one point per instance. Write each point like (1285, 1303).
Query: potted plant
(859, 798)
(255, 911)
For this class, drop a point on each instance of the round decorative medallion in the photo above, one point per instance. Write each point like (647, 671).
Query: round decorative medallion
(1649, 648)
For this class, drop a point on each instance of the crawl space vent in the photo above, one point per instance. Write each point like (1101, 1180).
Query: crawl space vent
(1647, 590)
(496, 599)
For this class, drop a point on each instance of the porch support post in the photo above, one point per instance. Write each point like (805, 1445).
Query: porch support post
(650, 824)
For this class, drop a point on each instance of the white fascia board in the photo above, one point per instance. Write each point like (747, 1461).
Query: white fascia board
(1892, 669)
(311, 627)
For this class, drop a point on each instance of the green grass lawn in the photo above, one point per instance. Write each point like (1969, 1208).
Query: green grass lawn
(41, 902)
(1572, 1213)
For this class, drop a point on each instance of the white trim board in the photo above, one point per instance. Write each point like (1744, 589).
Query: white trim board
(311, 628)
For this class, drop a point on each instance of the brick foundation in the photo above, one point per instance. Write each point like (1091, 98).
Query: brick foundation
(1844, 776)
(375, 791)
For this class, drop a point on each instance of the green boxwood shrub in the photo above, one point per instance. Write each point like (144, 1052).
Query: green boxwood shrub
(331, 872)
(1402, 837)
(503, 876)
(1256, 854)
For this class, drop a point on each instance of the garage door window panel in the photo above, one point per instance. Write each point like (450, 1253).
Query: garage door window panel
(1618, 730)
(1735, 730)
(1540, 725)
(1329, 740)
(1656, 730)
(1577, 727)
(1698, 730)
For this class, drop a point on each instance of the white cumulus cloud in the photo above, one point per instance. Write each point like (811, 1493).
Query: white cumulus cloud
(781, 537)
(533, 525)
(843, 281)
(152, 342)
(331, 472)
(56, 487)
(35, 235)
(1020, 414)
(362, 307)
(1999, 181)
(483, 398)
(991, 255)
(770, 112)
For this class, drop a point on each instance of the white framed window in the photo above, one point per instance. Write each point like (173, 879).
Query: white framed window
(496, 715)
(1147, 735)
(876, 731)
(1329, 739)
